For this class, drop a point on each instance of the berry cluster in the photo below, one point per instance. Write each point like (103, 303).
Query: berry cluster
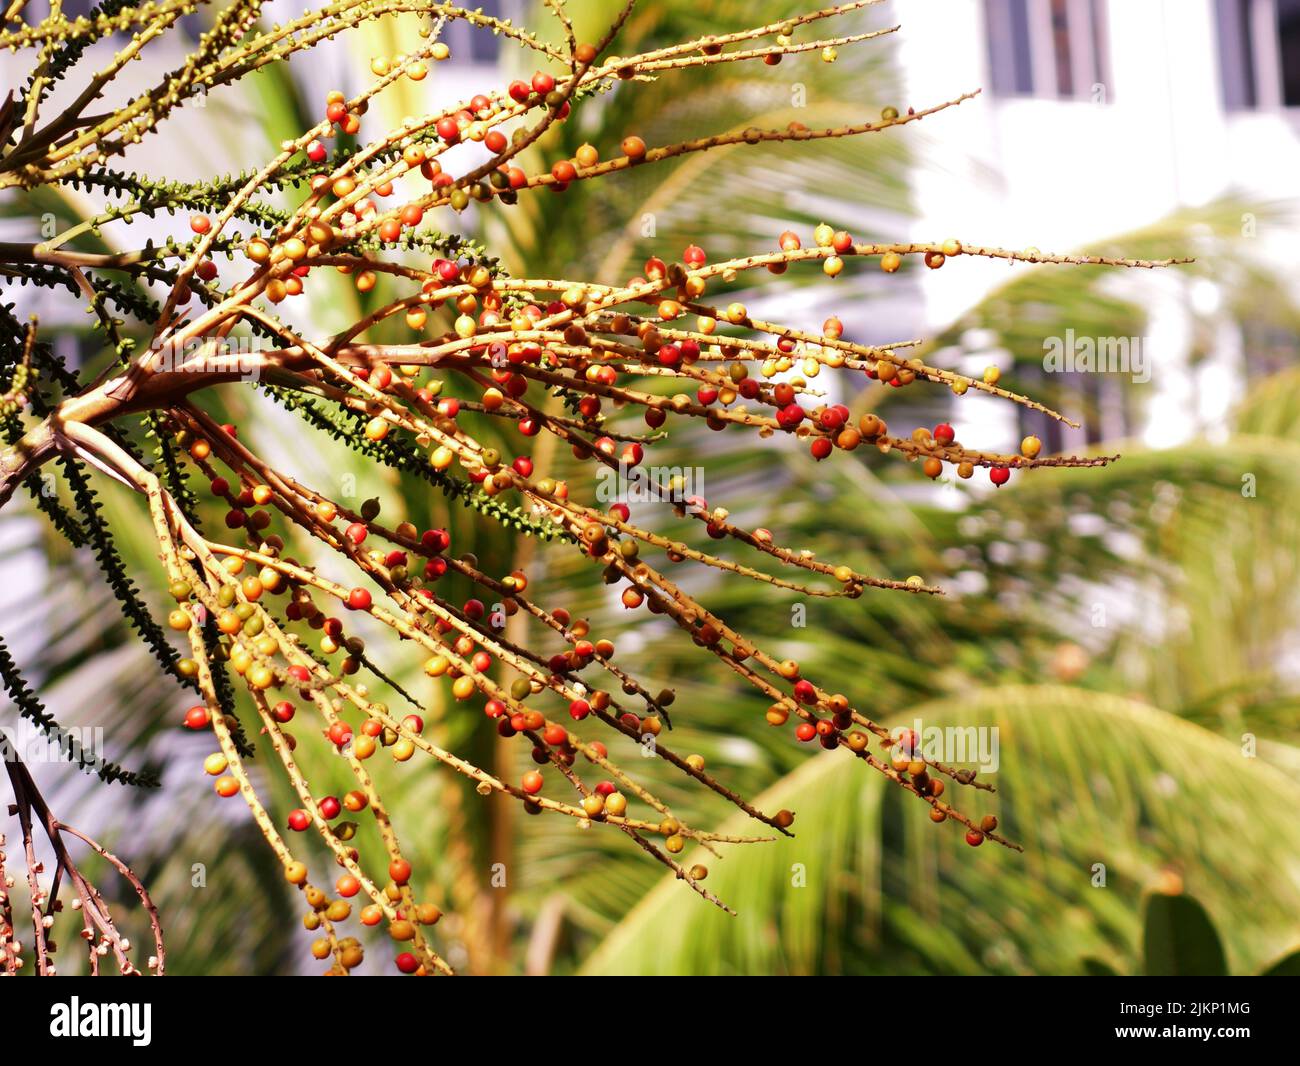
(482, 349)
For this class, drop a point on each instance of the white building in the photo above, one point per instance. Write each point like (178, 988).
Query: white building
(1100, 117)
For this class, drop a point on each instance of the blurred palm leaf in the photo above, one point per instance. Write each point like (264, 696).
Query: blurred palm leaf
(1085, 779)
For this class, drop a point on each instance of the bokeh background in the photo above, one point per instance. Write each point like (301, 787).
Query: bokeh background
(1130, 632)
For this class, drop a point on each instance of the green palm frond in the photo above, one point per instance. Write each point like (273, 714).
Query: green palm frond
(1085, 779)
(606, 233)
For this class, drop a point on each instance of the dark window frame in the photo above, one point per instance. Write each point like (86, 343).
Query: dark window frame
(1051, 49)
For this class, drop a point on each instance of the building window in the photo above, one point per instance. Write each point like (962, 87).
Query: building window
(474, 44)
(1288, 38)
(1050, 48)
(1259, 53)
(1236, 54)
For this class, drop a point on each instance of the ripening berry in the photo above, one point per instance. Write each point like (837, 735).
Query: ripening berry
(872, 427)
(965, 470)
(832, 266)
(790, 416)
(215, 764)
(932, 467)
(991, 375)
(1030, 447)
(988, 823)
(200, 224)
(400, 871)
(934, 260)
(633, 148)
(587, 156)
(890, 262)
(226, 787)
(532, 782)
(198, 717)
(974, 838)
